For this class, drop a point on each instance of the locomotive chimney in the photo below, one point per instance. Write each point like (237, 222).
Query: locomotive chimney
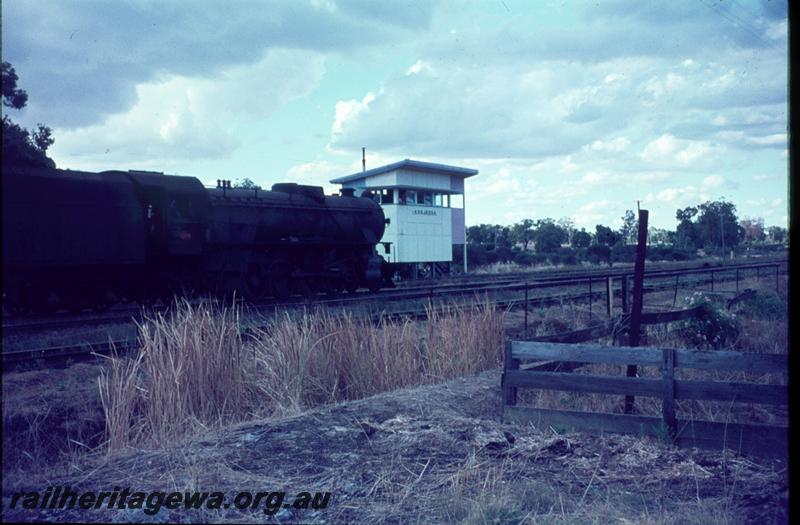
(363, 159)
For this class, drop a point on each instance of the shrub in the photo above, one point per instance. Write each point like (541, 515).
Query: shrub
(765, 306)
(599, 253)
(712, 327)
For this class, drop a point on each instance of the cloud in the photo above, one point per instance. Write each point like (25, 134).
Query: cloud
(597, 212)
(667, 149)
(614, 145)
(82, 61)
(188, 118)
(349, 110)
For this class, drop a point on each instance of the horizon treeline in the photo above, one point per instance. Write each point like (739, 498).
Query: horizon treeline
(711, 228)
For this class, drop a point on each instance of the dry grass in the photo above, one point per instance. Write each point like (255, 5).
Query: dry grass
(196, 370)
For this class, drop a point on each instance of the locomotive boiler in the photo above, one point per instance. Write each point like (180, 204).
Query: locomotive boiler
(74, 239)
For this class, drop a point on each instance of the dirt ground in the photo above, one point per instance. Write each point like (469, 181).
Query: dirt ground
(432, 454)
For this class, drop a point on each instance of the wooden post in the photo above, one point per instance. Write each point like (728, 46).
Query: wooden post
(590, 295)
(737, 279)
(712, 281)
(638, 298)
(777, 285)
(675, 297)
(609, 295)
(526, 309)
(625, 306)
(668, 400)
(509, 392)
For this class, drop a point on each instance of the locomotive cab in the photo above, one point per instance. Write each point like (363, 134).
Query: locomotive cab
(176, 211)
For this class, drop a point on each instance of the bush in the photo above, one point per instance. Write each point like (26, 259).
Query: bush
(712, 327)
(623, 253)
(765, 306)
(599, 253)
(563, 256)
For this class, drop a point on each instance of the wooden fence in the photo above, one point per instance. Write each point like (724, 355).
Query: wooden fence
(746, 438)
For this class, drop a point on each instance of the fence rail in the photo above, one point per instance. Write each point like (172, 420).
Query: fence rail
(749, 438)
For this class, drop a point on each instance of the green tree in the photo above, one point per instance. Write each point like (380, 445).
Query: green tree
(522, 232)
(581, 239)
(717, 224)
(246, 184)
(605, 235)
(548, 236)
(686, 236)
(20, 146)
(486, 235)
(777, 234)
(630, 227)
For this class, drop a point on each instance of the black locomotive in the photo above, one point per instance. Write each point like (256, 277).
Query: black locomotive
(74, 239)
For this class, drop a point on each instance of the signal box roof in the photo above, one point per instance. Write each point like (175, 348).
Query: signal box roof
(411, 165)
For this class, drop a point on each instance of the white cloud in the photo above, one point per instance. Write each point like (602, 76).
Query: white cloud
(670, 83)
(667, 149)
(597, 212)
(614, 145)
(188, 118)
(712, 181)
(501, 182)
(775, 139)
(418, 67)
(347, 110)
(595, 177)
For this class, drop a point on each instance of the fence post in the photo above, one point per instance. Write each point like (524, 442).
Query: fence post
(668, 400)
(526, 309)
(509, 392)
(590, 296)
(609, 295)
(625, 306)
(638, 298)
(712, 280)
(777, 285)
(675, 297)
(737, 279)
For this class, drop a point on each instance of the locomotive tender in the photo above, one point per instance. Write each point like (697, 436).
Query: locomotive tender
(74, 239)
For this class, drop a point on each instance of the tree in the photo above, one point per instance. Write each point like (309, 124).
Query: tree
(686, 237)
(246, 184)
(20, 146)
(568, 225)
(483, 234)
(753, 229)
(658, 235)
(717, 224)
(630, 227)
(548, 236)
(777, 234)
(522, 233)
(605, 235)
(581, 239)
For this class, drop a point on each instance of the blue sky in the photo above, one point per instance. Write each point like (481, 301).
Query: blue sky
(567, 108)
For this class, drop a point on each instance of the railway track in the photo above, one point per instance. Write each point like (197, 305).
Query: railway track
(571, 291)
(455, 285)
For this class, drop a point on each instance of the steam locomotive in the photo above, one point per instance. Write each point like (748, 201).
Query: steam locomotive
(75, 239)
